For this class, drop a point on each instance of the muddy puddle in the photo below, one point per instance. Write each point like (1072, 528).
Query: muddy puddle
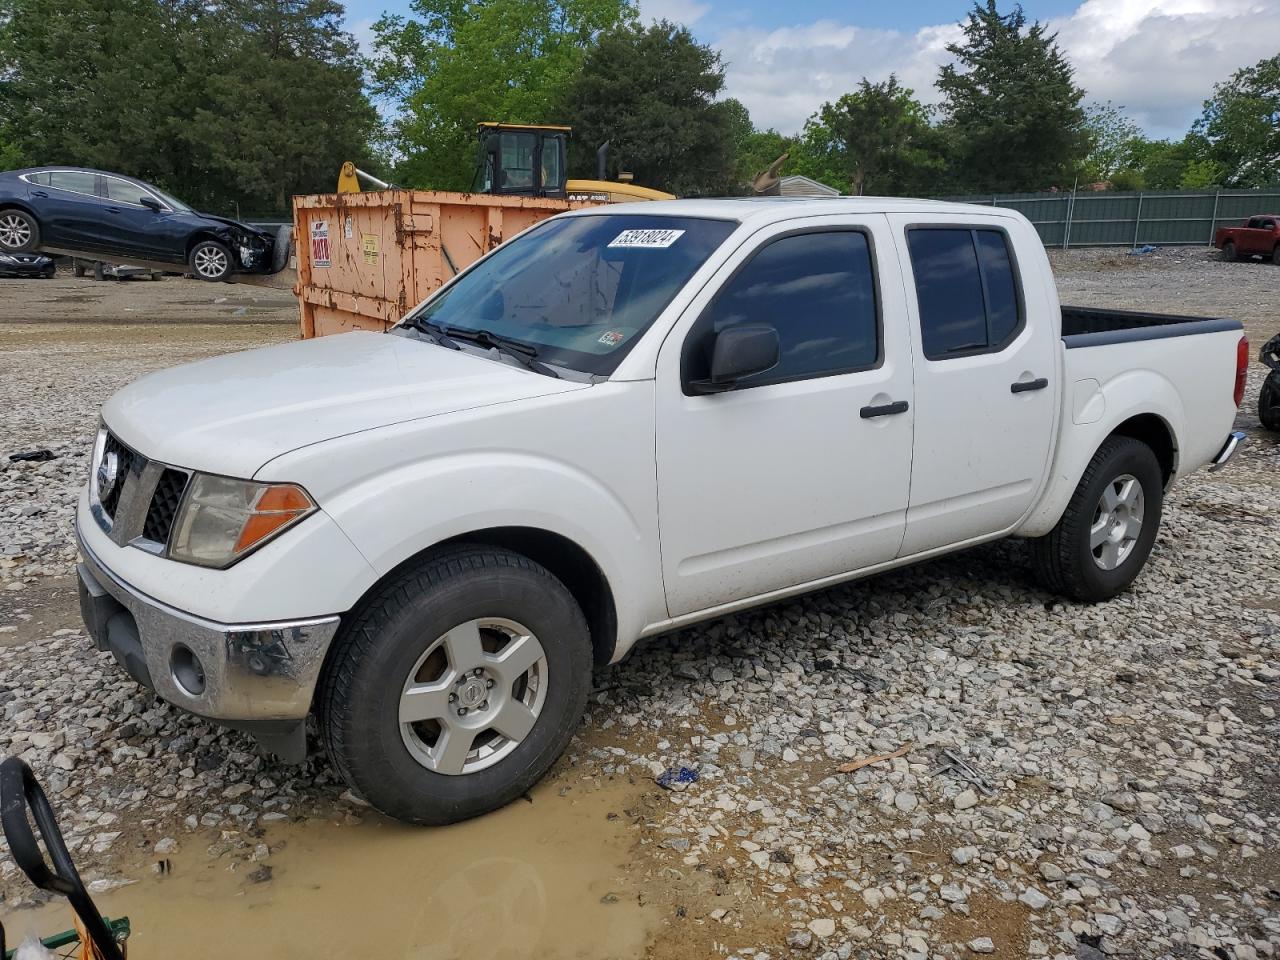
(547, 879)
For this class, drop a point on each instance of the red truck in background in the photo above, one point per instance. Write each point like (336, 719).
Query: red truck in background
(1259, 237)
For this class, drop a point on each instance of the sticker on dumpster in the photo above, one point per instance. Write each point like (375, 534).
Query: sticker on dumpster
(348, 227)
(646, 239)
(320, 243)
(369, 247)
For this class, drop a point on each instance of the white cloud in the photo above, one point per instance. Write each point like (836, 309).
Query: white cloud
(1157, 58)
(677, 11)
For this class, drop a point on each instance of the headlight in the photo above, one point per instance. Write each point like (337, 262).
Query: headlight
(222, 519)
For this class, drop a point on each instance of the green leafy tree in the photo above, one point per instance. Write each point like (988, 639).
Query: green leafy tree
(651, 92)
(1241, 125)
(454, 64)
(1112, 135)
(753, 150)
(876, 139)
(1011, 106)
(225, 103)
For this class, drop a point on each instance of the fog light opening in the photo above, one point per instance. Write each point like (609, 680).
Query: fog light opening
(188, 671)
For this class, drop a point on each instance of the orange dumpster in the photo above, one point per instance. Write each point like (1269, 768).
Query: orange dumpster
(366, 259)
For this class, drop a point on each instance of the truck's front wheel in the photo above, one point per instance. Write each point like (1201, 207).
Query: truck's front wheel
(1106, 533)
(457, 686)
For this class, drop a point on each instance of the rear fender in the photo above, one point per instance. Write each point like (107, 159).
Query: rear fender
(1096, 411)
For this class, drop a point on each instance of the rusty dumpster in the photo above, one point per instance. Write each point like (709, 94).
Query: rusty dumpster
(365, 259)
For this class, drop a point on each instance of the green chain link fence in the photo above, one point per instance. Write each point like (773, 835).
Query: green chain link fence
(1107, 219)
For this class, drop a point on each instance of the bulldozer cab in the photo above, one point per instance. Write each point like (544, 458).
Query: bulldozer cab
(522, 159)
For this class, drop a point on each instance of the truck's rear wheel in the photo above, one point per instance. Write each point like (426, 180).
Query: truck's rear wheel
(1275, 255)
(1106, 533)
(1229, 251)
(457, 686)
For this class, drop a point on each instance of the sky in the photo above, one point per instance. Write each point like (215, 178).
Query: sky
(1157, 59)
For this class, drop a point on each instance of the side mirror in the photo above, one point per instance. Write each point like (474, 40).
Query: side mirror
(740, 352)
(150, 202)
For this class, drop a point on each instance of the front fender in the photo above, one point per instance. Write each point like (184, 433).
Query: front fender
(1096, 410)
(578, 464)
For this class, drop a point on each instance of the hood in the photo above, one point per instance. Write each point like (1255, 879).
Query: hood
(232, 414)
(239, 224)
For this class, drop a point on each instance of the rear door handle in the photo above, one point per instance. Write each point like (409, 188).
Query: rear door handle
(884, 409)
(1026, 386)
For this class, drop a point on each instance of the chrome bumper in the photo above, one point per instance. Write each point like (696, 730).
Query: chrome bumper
(242, 675)
(1228, 450)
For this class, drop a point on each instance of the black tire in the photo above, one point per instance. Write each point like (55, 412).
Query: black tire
(1229, 252)
(1269, 402)
(376, 653)
(211, 260)
(1275, 255)
(19, 231)
(1063, 559)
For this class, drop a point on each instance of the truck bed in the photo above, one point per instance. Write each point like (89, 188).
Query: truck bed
(1096, 327)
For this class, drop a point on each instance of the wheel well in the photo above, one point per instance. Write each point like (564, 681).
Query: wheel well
(567, 561)
(572, 566)
(1155, 433)
(202, 235)
(15, 205)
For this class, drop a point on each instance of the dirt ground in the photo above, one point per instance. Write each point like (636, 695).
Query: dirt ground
(582, 867)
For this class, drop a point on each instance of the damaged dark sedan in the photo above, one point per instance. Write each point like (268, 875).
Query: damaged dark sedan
(107, 216)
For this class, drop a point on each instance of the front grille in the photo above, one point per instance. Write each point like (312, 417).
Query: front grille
(141, 506)
(164, 505)
(125, 460)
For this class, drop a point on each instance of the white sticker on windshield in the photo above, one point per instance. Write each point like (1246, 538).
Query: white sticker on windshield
(647, 239)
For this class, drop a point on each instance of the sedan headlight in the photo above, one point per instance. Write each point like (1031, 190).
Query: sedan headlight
(222, 519)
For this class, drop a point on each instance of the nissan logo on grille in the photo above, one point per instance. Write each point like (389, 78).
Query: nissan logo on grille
(108, 473)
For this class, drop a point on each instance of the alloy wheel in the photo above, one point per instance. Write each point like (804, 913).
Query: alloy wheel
(211, 262)
(1117, 522)
(473, 696)
(15, 231)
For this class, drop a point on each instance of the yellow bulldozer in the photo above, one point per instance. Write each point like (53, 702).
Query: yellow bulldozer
(528, 160)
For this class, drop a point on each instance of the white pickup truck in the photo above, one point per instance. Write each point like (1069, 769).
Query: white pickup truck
(623, 421)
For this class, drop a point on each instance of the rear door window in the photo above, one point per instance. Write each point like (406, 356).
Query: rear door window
(74, 181)
(966, 288)
(817, 290)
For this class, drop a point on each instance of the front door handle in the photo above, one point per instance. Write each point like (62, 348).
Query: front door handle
(884, 410)
(38, 193)
(1026, 386)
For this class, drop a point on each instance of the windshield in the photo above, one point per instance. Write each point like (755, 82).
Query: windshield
(579, 290)
(168, 200)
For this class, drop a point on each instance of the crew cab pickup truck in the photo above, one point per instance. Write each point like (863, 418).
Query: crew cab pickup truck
(622, 421)
(1259, 237)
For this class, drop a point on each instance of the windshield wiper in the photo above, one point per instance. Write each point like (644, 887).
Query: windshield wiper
(522, 353)
(436, 333)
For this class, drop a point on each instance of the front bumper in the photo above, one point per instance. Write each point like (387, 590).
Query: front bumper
(1228, 451)
(259, 677)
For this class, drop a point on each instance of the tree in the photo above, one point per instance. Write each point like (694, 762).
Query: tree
(874, 140)
(651, 92)
(222, 102)
(1112, 136)
(1241, 124)
(1011, 107)
(456, 64)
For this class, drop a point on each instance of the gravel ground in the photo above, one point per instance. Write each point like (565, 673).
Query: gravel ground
(1072, 781)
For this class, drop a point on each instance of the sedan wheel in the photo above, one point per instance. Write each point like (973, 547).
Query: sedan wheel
(210, 260)
(18, 231)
